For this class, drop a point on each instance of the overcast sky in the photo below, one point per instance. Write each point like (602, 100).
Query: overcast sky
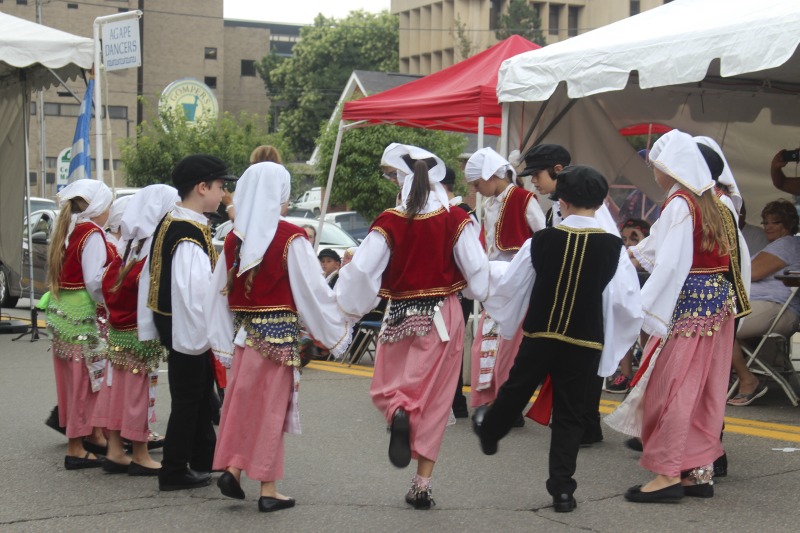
(297, 11)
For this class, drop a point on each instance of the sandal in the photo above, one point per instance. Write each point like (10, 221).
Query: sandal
(746, 399)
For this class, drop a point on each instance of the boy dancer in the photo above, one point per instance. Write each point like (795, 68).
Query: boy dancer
(178, 277)
(587, 313)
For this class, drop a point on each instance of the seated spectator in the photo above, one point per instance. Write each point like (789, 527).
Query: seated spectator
(754, 236)
(768, 294)
(330, 262)
(348, 255)
(311, 232)
(779, 179)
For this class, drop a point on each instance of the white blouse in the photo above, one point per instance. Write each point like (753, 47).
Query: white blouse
(93, 265)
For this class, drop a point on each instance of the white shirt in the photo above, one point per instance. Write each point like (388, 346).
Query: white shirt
(603, 216)
(533, 215)
(512, 283)
(93, 265)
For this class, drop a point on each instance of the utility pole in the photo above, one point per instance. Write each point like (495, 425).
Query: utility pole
(42, 140)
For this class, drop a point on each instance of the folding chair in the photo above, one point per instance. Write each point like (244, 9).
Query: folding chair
(784, 354)
(365, 341)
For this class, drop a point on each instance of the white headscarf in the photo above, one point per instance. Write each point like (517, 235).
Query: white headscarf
(115, 215)
(486, 163)
(677, 155)
(95, 192)
(144, 211)
(260, 192)
(726, 178)
(393, 157)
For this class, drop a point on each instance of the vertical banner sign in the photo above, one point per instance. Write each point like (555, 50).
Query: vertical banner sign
(121, 47)
(62, 174)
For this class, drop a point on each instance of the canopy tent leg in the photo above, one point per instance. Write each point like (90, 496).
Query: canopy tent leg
(329, 185)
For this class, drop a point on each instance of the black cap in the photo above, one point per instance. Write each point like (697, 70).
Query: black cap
(715, 163)
(449, 176)
(327, 252)
(199, 167)
(545, 156)
(581, 186)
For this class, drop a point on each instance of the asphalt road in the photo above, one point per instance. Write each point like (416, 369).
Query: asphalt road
(338, 471)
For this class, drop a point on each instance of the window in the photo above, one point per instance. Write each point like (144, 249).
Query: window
(248, 67)
(51, 162)
(22, 2)
(117, 111)
(72, 6)
(211, 53)
(555, 12)
(573, 24)
(31, 175)
(211, 81)
(50, 178)
(635, 7)
(34, 106)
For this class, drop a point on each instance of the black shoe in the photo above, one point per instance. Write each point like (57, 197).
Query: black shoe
(519, 422)
(591, 437)
(135, 469)
(634, 444)
(461, 412)
(564, 503)
(672, 494)
(268, 505)
(189, 480)
(488, 446)
(94, 448)
(703, 490)
(52, 421)
(400, 440)
(721, 466)
(111, 467)
(79, 463)
(229, 487)
(420, 499)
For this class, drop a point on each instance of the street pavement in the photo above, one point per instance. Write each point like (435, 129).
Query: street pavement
(338, 471)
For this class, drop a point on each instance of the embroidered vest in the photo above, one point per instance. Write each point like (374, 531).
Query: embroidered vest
(121, 304)
(71, 276)
(703, 262)
(511, 229)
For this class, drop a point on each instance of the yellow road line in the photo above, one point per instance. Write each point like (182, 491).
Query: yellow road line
(740, 426)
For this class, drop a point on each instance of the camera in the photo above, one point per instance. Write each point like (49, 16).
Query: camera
(791, 156)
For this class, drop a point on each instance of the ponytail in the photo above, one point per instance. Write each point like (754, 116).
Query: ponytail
(248, 282)
(420, 189)
(128, 265)
(58, 244)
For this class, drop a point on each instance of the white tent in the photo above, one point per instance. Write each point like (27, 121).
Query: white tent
(728, 69)
(30, 54)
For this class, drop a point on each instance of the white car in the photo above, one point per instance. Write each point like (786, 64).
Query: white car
(310, 200)
(350, 221)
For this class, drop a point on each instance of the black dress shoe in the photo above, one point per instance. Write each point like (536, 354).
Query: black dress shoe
(135, 469)
(721, 466)
(79, 463)
(564, 503)
(703, 490)
(111, 467)
(672, 494)
(420, 499)
(400, 440)
(52, 421)
(94, 448)
(189, 480)
(461, 412)
(229, 487)
(634, 444)
(488, 445)
(267, 504)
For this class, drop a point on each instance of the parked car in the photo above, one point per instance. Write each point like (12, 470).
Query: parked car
(119, 192)
(351, 222)
(333, 236)
(11, 281)
(38, 204)
(311, 200)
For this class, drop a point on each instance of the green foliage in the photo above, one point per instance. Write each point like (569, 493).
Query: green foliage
(464, 44)
(310, 82)
(520, 19)
(358, 181)
(165, 141)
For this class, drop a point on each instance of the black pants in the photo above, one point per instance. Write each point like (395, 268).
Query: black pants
(572, 370)
(592, 432)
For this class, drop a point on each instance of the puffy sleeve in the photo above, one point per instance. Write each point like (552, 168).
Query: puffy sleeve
(622, 315)
(534, 215)
(472, 262)
(315, 300)
(191, 279)
(218, 315)
(671, 265)
(510, 286)
(360, 280)
(93, 265)
(144, 315)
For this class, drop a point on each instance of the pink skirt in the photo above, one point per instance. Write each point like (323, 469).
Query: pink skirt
(507, 350)
(420, 374)
(684, 402)
(123, 406)
(257, 401)
(76, 401)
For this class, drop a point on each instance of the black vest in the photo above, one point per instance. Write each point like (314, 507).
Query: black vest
(573, 267)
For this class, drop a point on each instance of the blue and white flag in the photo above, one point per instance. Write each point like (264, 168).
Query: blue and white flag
(80, 166)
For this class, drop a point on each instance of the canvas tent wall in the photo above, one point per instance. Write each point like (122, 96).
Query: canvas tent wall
(29, 54)
(729, 69)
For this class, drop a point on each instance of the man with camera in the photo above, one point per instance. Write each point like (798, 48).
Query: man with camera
(779, 179)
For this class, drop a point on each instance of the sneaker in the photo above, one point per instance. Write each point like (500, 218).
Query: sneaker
(620, 385)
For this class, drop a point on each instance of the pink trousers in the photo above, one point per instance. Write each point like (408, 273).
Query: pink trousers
(507, 350)
(123, 406)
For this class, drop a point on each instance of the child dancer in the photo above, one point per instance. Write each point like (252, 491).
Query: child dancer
(266, 281)
(512, 216)
(124, 404)
(418, 256)
(690, 299)
(77, 258)
(583, 312)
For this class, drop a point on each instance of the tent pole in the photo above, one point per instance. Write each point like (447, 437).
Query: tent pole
(476, 310)
(555, 122)
(329, 185)
(98, 103)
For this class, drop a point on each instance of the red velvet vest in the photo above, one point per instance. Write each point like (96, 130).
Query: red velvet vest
(703, 262)
(271, 290)
(511, 229)
(71, 276)
(121, 305)
(422, 263)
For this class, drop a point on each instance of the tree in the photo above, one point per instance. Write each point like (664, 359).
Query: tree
(520, 19)
(358, 182)
(311, 81)
(464, 44)
(169, 138)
